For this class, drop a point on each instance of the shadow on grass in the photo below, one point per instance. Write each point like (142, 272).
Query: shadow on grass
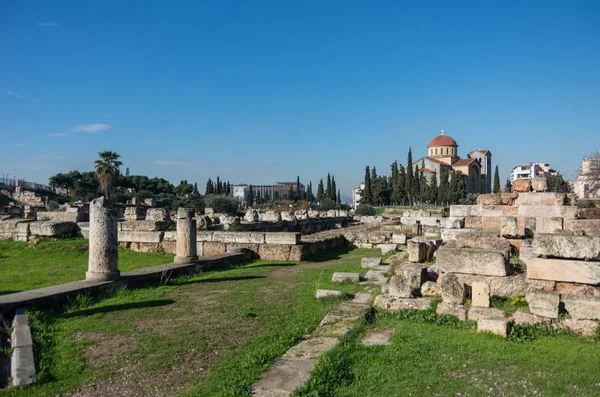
(273, 265)
(216, 280)
(329, 255)
(124, 306)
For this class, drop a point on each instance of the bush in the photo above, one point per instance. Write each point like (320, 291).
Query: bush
(365, 210)
(221, 204)
(52, 205)
(328, 204)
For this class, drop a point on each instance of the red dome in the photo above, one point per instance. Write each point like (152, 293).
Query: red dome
(442, 140)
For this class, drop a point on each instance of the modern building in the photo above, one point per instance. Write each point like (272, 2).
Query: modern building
(442, 152)
(587, 185)
(531, 170)
(357, 195)
(269, 192)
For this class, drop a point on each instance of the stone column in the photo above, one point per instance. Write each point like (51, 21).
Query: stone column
(103, 263)
(186, 236)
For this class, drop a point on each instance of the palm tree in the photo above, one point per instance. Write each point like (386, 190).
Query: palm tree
(107, 170)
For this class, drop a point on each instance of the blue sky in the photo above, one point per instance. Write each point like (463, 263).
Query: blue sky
(260, 92)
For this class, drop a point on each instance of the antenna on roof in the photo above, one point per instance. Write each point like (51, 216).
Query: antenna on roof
(442, 132)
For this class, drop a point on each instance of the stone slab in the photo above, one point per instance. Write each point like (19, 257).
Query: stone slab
(140, 237)
(480, 294)
(583, 309)
(342, 318)
(453, 310)
(21, 336)
(386, 248)
(472, 261)
(378, 336)
(498, 326)
(399, 238)
(339, 277)
(567, 270)
(392, 303)
(479, 313)
(311, 348)
(23, 366)
(582, 327)
(282, 238)
(543, 303)
(565, 246)
(520, 317)
(370, 262)
(325, 293)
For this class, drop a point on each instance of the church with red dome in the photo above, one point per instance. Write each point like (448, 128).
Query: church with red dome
(442, 152)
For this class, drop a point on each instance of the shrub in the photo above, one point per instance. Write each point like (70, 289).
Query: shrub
(221, 204)
(52, 205)
(365, 210)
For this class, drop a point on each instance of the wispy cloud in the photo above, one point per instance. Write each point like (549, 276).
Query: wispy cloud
(48, 24)
(15, 94)
(59, 134)
(91, 128)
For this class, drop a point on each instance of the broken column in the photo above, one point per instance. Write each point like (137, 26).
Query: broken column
(103, 262)
(186, 236)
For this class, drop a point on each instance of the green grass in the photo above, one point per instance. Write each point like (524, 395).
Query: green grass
(436, 356)
(26, 266)
(211, 334)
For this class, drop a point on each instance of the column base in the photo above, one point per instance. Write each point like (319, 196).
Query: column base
(103, 276)
(185, 259)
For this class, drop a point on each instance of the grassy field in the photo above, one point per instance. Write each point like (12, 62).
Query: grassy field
(212, 334)
(434, 355)
(26, 266)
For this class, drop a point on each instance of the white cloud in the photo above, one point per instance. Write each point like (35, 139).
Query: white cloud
(15, 94)
(91, 128)
(59, 134)
(48, 24)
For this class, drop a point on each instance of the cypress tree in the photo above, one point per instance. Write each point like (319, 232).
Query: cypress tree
(209, 187)
(127, 172)
(416, 186)
(291, 194)
(496, 181)
(309, 193)
(409, 180)
(375, 193)
(395, 183)
(434, 188)
(320, 192)
(195, 192)
(219, 186)
(443, 188)
(339, 198)
(401, 183)
(508, 186)
(298, 193)
(328, 186)
(250, 196)
(333, 188)
(367, 196)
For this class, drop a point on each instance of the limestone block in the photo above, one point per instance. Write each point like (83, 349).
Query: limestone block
(474, 222)
(521, 185)
(378, 237)
(157, 214)
(497, 198)
(326, 293)
(538, 199)
(530, 226)
(288, 216)
(582, 327)
(583, 309)
(399, 238)
(270, 216)
(479, 313)
(52, 228)
(371, 219)
(342, 214)
(140, 237)
(452, 310)
(567, 270)
(498, 326)
(454, 222)
(58, 216)
(393, 303)
(491, 223)
(299, 252)
(399, 286)
(276, 252)
(204, 236)
(466, 210)
(417, 251)
(480, 292)
(377, 276)
(483, 240)
(224, 237)
(282, 238)
(452, 234)
(472, 261)
(339, 277)
(415, 275)
(386, 248)
(134, 213)
(251, 216)
(568, 290)
(370, 262)
(210, 248)
(429, 289)
(539, 184)
(540, 211)
(543, 304)
(148, 226)
(451, 289)
(566, 246)
(590, 227)
(509, 227)
(520, 317)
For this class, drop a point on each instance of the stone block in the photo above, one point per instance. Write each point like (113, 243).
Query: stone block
(521, 185)
(539, 211)
(417, 251)
(520, 317)
(386, 248)
(22, 367)
(566, 270)
(393, 303)
(370, 262)
(399, 238)
(452, 291)
(58, 216)
(509, 227)
(340, 277)
(539, 184)
(498, 326)
(52, 228)
(270, 216)
(453, 234)
(377, 276)
(497, 198)
(282, 238)
(429, 289)
(483, 240)
(157, 214)
(210, 248)
(543, 303)
(466, 210)
(582, 309)
(415, 275)
(204, 236)
(452, 310)
(140, 237)
(134, 213)
(472, 261)
(326, 293)
(491, 223)
(530, 225)
(480, 292)
(474, 222)
(590, 227)
(479, 313)
(146, 226)
(298, 252)
(582, 327)
(566, 246)
(399, 286)
(275, 252)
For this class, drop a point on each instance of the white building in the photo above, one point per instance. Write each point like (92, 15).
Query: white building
(531, 170)
(587, 185)
(357, 195)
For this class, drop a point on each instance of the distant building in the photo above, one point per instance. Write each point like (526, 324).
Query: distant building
(587, 185)
(357, 195)
(443, 153)
(269, 192)
(531, 170)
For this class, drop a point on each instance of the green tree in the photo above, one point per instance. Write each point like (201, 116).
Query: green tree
(320, 191)
(298, 192)
(409, 180)
(396, 195)
(250, 196)
(127, 172)
(457, 187)
(402, 183)
(496, 181)
(557, 184)
(375, 192)
(416, 185)
(328, 186)
(367, 195)
(508, 185)
(333, 188)
(309, 193)
(107, 170)
(209, 187)
(444, 187)
(433, 188)
(339, 198)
